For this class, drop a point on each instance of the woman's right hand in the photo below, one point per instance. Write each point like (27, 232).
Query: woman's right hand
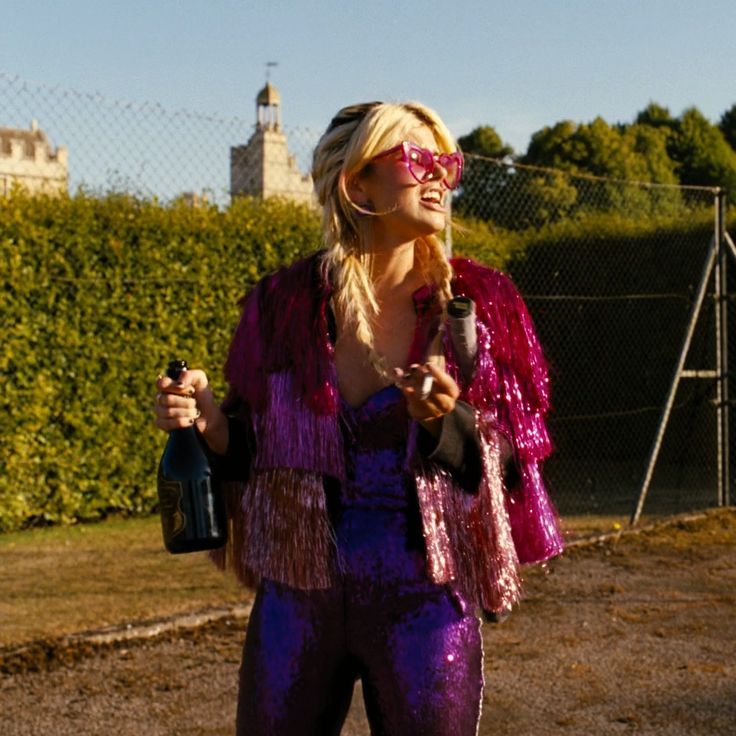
(186, 402)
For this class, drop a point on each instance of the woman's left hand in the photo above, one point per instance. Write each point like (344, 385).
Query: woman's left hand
(430, 394)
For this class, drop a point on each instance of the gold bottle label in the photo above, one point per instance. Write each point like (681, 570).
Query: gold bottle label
(173, 520)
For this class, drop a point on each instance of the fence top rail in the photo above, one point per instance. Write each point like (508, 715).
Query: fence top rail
(141, 106)
(510, 164)
(136, 106)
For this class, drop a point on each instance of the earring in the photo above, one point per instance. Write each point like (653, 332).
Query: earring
(364, 209)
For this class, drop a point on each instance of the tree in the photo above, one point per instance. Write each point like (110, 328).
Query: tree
(727, 126)
(633, 152)
(486, 176)
(656, 116)
(573, 168)
(702, 154)
(650, 144)
(551, 147)
(628, 153)
(485, 141)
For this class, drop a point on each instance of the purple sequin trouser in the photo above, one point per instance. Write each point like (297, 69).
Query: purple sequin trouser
(416, 646)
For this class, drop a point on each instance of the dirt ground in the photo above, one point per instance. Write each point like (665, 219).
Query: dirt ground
(630, 636)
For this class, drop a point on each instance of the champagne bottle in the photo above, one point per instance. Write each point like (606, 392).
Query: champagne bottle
(190, 501)
(461, 322)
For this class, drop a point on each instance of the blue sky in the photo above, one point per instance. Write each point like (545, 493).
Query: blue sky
(517, 65)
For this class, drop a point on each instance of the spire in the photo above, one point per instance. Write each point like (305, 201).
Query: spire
(268, 103)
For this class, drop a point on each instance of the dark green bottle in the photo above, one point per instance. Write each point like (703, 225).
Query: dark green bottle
(190, 501)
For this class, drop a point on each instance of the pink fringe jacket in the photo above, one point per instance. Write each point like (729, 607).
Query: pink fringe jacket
(281, 366)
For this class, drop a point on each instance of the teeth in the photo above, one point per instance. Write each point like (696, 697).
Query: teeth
(432, 196)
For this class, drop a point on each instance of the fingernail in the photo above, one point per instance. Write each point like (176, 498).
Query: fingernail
(426, 386)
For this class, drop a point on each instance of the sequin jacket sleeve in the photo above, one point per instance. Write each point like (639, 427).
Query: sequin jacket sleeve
(476, 542)
(511, 389)
(458, 446)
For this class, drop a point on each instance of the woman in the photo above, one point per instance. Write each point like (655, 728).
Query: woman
(368, 505)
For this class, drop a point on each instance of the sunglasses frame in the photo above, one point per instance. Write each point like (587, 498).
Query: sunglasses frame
(428, 161)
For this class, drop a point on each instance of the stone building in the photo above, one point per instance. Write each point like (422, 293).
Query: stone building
(28, 159)
(263, 167)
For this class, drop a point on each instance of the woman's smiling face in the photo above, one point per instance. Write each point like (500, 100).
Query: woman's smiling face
(405, 208)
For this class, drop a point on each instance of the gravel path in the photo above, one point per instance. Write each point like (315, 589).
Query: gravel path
(629, 637)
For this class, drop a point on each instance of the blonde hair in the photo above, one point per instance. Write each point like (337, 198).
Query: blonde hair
(354, 137)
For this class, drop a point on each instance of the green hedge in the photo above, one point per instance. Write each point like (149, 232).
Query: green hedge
(97, 296)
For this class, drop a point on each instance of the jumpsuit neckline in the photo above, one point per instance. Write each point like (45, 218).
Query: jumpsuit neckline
(427, 310)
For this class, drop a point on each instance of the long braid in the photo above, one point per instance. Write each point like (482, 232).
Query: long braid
(439, 268)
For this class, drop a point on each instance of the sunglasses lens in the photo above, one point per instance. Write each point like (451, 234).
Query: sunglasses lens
(452, 164)
(421, 163)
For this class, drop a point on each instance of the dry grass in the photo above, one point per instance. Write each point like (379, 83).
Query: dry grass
(63, 580)
(576, 527)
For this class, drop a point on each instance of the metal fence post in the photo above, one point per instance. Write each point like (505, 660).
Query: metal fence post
(678, 374)
(721, 314)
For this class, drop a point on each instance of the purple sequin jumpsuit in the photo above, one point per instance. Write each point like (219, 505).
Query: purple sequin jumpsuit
(415, 645)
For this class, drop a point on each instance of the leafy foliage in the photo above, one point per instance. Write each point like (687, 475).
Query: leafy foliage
(702, 153)
(635, 153)
(485, 141)
(481, 184)
(655, 116)
(657, 148)
(727, 126)
(97, 296)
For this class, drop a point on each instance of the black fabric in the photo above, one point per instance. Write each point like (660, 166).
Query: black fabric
(458, 449)
(235, 464)
(458, 446)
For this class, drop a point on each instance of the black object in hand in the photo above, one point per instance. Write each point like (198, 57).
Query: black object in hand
(190, 501)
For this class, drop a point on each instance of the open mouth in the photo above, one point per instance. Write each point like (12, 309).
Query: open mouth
(433, 196)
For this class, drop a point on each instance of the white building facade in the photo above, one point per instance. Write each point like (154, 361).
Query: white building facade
(28, 160)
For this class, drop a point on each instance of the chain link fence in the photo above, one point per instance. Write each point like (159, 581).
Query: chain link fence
(139, 148)
(609, 269)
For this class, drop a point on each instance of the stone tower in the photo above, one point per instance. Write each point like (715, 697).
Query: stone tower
(263, 167)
